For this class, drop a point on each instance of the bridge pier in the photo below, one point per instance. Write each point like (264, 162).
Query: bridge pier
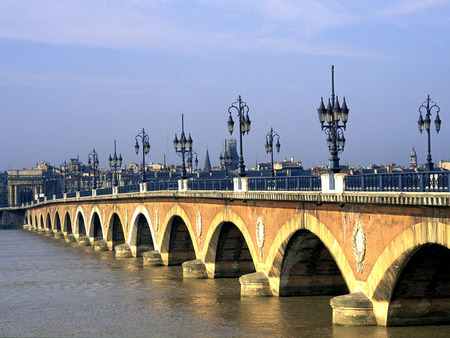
(59, 235)
(255, 285)
(354, 309)
(152, 258)
(194, 269)
(123, 251)
(84, 241)
(70, 238)
(100, 245)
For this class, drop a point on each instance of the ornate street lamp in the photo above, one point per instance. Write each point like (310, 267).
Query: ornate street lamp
(329, 119)
(190, 156)
(182, 147)
(143, 136)
(226, 159)
(114, 163)
(93, 164)
(244, 127)
(269, 146)
(78, 173)
(61, 166)
(428, 105)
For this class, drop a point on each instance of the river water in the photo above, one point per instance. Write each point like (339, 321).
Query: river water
(52, 288)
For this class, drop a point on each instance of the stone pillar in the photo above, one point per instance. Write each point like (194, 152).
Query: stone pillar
(100, 245)
(143, 187)
(240, 184)
(152, 258)
(59, 235)
(333, 182)
(194, 269)
(84, 241)
(255, 285)
(354, 309)
(182, 185)
(70, 238)
(16, 195)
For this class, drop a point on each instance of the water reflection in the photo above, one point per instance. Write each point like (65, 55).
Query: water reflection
(52, 288)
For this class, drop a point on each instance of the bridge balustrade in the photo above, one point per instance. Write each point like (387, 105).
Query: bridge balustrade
(211, 184)
(85, 193)
(129, 188)
(104, 191)
(162, 185)
(407, 182)
(301, 183)
(71, 195)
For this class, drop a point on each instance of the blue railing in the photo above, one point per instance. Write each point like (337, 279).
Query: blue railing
(414, 182)
(104, 191)
(162, 185)
(211, 184)
(71, 194)
(300, 183)
(129, 188)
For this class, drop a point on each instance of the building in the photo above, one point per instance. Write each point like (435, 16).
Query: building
(413, 159)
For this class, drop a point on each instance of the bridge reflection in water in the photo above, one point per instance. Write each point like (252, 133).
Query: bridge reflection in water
(386, 248)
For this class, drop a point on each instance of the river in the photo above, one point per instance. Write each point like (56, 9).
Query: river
(52, 288)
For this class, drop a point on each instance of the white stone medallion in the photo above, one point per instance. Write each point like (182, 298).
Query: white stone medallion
(359, 245)
(198, 226)
(156, 223)
(260, 233)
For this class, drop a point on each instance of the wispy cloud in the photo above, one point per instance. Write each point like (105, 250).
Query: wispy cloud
(182, 26)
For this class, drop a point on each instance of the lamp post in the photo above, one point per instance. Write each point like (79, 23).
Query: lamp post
(143, 136)
(182, 147)
(329, 119)
(94, 165)
(428, 105)
(64, 165)
(114, 163)
(269, 146)
(78, 172)
(190, 156)
(244, 127)
(226, 159)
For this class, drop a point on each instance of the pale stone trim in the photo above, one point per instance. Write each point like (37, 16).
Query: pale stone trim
(90, 229)
(132, 236)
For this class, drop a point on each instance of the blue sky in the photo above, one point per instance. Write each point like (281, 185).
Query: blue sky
(77, 74)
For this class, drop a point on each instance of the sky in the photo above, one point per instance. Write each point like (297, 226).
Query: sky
(75, 75)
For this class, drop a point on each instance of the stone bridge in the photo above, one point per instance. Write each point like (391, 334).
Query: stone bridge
(384, 255)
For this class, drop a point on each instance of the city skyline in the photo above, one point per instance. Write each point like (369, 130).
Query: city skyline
(77, 75)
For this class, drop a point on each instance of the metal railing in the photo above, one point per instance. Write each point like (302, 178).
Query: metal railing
(128, 188)
(104, 191)
(299, 183)
(427, 181)
(211, 184)
(162, 185)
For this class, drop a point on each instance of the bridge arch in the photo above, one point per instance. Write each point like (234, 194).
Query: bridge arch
(42, 222)
(290, 230)
(67, 224)
(48, 222)
(116, 232)
(36, 223)
(80, 223)
(211, 246)
(57, 222)
(141, 237)
(177, 224)
(96, 228)
(389, 266)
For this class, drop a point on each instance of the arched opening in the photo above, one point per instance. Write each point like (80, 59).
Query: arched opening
(36, 222)
(42, 222)
(81, 225)
(97, 227)
(233, 257)
(68, 224)
(422, 292)
(308, 268)
(49, 222)
(181, 248)
(144, 240)
(26, 220)
(118, 236)
(57, 222)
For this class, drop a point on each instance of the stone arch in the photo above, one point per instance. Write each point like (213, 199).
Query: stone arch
(57, 222)
(212, 239)
(116, 231)
(67, 225)
(36, 223)
(42, 222)
(141, 237)
(80, 223)
(96, 228)
(388, 267)
(48, 222)
(277, 252)
(176, 213)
